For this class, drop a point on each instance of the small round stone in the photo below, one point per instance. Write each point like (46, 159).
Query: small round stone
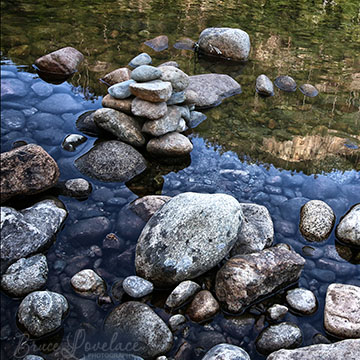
(141, 59)
(145, 73)
(309, 90)
(182, 293)
(277, 311)
(285, 83)
(78, 187)
(72, 141)
(88, 283)
(121, 90)
(302, 301)
(203, 307)
(137, 287)
(264, 86)
(176, 321)
(226, 352)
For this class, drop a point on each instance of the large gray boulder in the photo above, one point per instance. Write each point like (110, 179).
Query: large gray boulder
(208, 90)
(188, 236)
(137, 323)
(111, 161)
(233, 44)
(346, 349)
(226, 352)
(28, 231)
(245, 278)
(42, 312)
(348, 230)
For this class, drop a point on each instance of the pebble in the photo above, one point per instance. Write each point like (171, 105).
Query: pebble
(176, 322)
(121, 90)
(42, 89)
(264, 86)
(203, 307)
(141, 59)
(277, 312)
(72, 141)
(88, 283)
(302, 301)
(182, 293)
(226, 352)
(145, 73)
(137, 287)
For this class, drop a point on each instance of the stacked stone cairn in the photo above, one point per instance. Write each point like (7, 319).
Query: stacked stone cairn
(148, 106)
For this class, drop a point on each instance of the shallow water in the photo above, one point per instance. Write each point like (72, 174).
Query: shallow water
(236, 149)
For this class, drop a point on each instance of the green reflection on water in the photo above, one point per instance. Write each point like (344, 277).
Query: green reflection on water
(315, 42)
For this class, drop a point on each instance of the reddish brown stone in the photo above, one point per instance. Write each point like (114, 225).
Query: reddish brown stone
(203, 307)
(117, 76)
(123, 105)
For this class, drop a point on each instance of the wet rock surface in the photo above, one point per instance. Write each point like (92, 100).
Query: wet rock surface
(182, 293)
(226, 352)
(348, 230)
(146, 206)
(171, 144)
(302, 300)
(277, 311)
(203, 307)
(137, 287)
(88, 283)
(159, 43)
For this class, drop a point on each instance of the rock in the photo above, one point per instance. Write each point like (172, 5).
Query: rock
(72, 141)
(123, 126)
(177, 98)
(342, 311)
(139, 324)
(137, 287)
(348, 230)
(346, 349)
(148, 109)
(28, 231)
(33, 357)
(123, 105)
(196, 118)
(41, 88)
(171, 144)
(286, 83)
(182, 126)
(12, 120)
(117, 76)
(121, 90)
(309, 90)
(111, 161)
(257, 231)
(141, 59)
(176, 322)
(86, 124)
(26, 170)
(25, 276)
(264, 86)
(145, 207)
(203, 307)
(211, 89)
(159, 43)
(165, 124)
(182, 293)
(63, 61)
(233, 44)
(41, 312)
(78, 188)
(185, 44)
(111, 241)
(153, 91)
(246, 278)
(317, 220)
(285, 335)
(277, 312)
(189, 235)
(88, 283)
(169, 63)
(145, 73)
(59, 104)
(226, 352)
(302, 301)
(178, 79)
(11, 88)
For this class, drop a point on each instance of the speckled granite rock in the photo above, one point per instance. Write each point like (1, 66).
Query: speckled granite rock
(226, 352)
(264, 86)
(171, 145)
(203, 307)
(148, 109)
(88, 283)
(182, 293)
(123, 105)
(178, 79)
(137, 287)
(146, 206)
(153, 91)
(277, 311)
(348, 230)
(302, 301)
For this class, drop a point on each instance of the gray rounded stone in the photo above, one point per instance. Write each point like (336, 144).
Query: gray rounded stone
(25, 276)
(177, 98)
(196, 118)
(41, 312)
(182, 293)
(77, 187)
(302, 301)
(348, 230)
(145, 73)
(285, 83)
(277, 311)
(309, 90)
(264, 86)
(188, 236)
(226, 352)
(171, 144)
(178, 79)
(148, 109)
(176, 322)
(121, 90)
(153, 91)
(317, 220)
(139, 324)
(137, 287)
(141, 59)
(285, 335)
(88, 283)
(33, 357)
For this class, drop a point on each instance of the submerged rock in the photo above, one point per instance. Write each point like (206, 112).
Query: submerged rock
(159, 43)
(189, 235)
(72, 141)
(88, 283)
(145, 207)
(285, 83)
(117, 76)
(226, 352)
(172, 144)
(233, 44)
(137, 287)
(302, 301)
(348, 230)
(264, 86)
(182, 293)
(246, 278)
(203, 307)
(26, 170)
(309, 90)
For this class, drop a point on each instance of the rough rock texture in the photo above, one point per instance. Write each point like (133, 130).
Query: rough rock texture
(123, 105)
(230, 43)
(28, 231)
(146, 206)
(117, 76)
(203, 307)
(346, 349)
(111, 161)
(121, 90)
(246, 278)
(86, 124)
(264, 86)
(176, 322)
(137, 287)
(171, 144)
(148, 109)
(25, 276)
(188, 236)
(78, 188)
(302, 301)
(182, 293)
(277, 311)
(145, 73)
(178, 79)
(153, 91)
(211, 89)
(137, 323)
(342, 310)
(257, 231)
(123, 126)
(317, 220)
(348, 229)
(41, 312)
(63, 61)
(88, 283)
(159, 43)
(281, 336)
(226, 352)
(26, 170)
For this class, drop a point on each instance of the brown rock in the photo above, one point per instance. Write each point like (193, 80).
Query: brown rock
(117, 76)
(146, 206)
(171, 144)
(123, 105)
(246, 278)
(63, 61)
(26, 170)
(159, 43)
(153, 91)
(203, 307)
